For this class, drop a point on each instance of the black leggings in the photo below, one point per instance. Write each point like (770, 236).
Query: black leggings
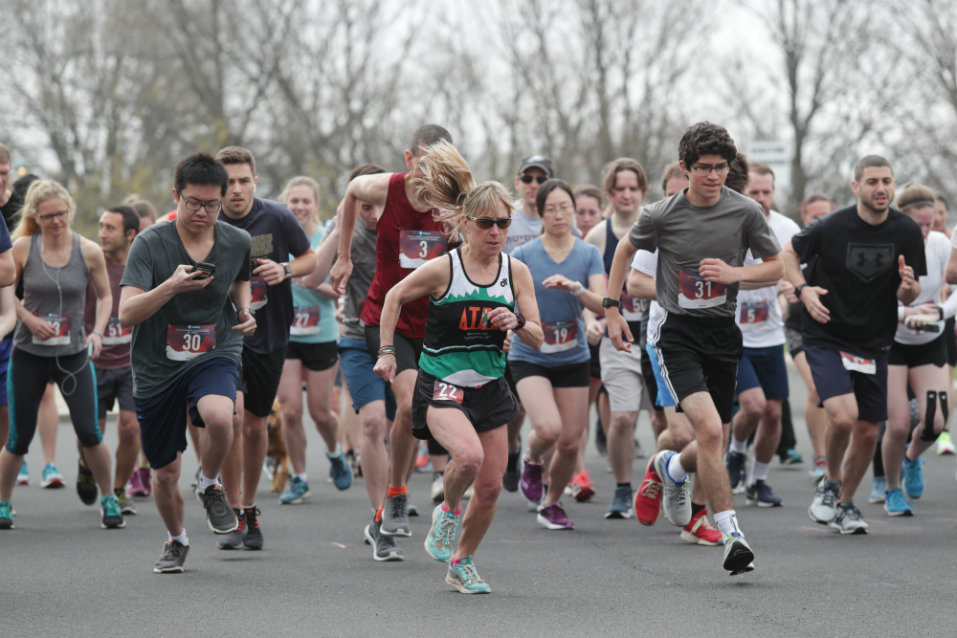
(26, 382)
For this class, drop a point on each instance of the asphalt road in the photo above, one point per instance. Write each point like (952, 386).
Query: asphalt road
(64, 576)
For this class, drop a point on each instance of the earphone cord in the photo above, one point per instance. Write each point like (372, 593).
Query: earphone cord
(69, 383)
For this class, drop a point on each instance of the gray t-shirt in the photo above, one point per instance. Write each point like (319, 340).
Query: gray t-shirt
(522, 230)
(192, 327)
(363, 270)
(685, 234)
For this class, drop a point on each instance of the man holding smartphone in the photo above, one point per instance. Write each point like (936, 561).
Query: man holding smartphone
(187, 343)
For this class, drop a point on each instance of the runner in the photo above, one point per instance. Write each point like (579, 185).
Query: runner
(275, 235)
(119, 225)
(461, 398)
(311, 355)
(702, 235)
(186, 294)
(862, 260)
(553, 381)
(917, 359)
(50, 343)
(408, 235)
(625, 185)
(762, 380)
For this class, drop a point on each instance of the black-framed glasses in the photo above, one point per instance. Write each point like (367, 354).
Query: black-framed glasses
(527, 179)
(705, 169)
(49, 217)
(487, 222)
(211, 207)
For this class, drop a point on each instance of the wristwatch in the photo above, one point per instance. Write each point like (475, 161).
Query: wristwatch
(798, 289)
(608, 302)
(287, 268)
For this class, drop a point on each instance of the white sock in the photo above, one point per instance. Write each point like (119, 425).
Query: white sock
(336, 452)
(727, 522)
(302, 477)
(183, 539)
(739, 446)
(250, 507)
(676, 471)
(759, 472)
(205, 482)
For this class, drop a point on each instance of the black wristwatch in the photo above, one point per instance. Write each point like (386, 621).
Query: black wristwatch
(798, 289)
(287, 268)
(608, 302)
(520, 324)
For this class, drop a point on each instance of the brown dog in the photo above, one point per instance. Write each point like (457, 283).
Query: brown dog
(276, 449)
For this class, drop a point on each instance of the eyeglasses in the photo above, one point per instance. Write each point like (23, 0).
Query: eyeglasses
(51, 216)
(487, 222)
(705, 169)
(527, 179)
(211, 207)
(559, 210)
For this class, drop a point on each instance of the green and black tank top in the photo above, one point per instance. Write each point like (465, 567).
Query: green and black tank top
(461, 346)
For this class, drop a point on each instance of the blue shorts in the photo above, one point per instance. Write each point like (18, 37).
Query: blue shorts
(832, 380)
(6, 345)
(663, 398)
(163, 416)
(364, 385)
(764, 368)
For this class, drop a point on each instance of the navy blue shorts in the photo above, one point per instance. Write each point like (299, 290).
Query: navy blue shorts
(832, 379)
(764, 368)
(364, 385)
(163, 416)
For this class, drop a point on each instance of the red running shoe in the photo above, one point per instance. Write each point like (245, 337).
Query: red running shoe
(699, 530)
(581, 487)
(648, 497)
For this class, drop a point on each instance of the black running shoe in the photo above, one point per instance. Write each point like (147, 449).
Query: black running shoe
(512, 475)
(85, 485)
(220, 516)
(252, 534)
(171, 562)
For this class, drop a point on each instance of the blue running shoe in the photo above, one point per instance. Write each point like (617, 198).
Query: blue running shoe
(735, 462)
(896, 504)
(441, 537)
(878, 488)
(296, 490)
(51, 477)
(112, 515)
(464, 577)
(23, 476)
(339, 471)
(6, 515)
(914, 477)
(621, 504)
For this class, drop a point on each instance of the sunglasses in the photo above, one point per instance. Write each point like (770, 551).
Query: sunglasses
(527, 179)
(487, 222)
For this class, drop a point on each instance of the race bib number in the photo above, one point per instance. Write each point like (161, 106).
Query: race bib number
(185, 342)
(854, 363)
(695, 292)
(61, 323)
(116, 333)
(443, 391)
(305, 321)
(632, 308)
(753, 312)
(260, 292)
(418, 246)
(559, 336)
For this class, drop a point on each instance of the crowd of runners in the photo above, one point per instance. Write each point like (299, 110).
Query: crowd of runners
(442, 313)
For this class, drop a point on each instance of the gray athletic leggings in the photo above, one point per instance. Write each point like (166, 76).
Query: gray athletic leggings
(27, 379)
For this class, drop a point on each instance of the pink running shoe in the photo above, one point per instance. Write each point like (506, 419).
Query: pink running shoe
(140, 486)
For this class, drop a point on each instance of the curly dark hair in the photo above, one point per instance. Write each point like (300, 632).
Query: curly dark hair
(705, 138)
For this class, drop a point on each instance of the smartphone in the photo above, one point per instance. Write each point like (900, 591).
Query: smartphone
(204, 267)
